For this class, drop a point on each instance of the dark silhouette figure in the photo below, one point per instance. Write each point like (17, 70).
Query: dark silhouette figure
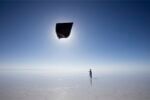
(63, 30)
(90, 73)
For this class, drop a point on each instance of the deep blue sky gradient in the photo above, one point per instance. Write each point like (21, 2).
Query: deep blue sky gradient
(110, 32)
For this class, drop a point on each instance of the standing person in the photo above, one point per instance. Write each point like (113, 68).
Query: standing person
(90, 73)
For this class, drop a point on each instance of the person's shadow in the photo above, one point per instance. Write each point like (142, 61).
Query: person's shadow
(90, 81)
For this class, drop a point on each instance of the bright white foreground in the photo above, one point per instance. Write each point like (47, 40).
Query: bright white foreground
(25, 86)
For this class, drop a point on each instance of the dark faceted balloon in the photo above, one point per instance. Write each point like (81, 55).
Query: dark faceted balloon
(63, 30)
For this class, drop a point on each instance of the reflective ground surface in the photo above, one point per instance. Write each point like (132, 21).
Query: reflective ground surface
(27, 86)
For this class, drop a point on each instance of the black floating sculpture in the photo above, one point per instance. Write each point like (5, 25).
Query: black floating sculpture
(63, 30)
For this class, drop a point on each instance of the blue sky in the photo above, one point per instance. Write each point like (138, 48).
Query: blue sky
(103, 34)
